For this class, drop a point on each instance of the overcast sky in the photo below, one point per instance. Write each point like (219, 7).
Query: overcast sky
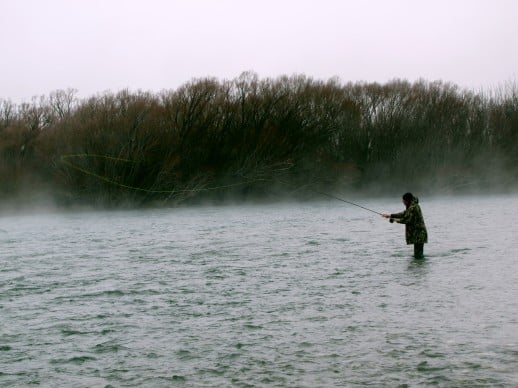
(99, 45)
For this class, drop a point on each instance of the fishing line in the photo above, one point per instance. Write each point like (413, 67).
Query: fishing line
(64, 160)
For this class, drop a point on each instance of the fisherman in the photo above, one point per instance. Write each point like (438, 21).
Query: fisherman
(415, 229)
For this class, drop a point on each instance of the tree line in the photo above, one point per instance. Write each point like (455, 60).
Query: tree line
(258, 138)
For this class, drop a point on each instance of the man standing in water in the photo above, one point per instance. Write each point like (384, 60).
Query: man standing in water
(415, 229)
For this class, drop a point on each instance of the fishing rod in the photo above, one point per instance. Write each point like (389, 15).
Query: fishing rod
(343, 200)
(335, 197)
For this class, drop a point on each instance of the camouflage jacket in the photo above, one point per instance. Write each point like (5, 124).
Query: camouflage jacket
(415, 229)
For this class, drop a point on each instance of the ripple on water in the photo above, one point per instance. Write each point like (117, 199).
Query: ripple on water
(305, 295)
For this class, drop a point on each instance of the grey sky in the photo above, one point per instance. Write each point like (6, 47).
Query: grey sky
(99, 45)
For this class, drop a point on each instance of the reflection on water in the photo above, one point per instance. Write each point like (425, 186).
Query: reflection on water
(312, 294)
(419, 266)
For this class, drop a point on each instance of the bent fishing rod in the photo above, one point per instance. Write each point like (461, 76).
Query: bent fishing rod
(337, 198)
(343, 200)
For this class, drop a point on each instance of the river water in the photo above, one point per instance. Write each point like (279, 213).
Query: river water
(302, 294)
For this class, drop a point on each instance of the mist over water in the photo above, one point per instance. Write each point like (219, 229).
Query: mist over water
(252, 138)
(307, 294)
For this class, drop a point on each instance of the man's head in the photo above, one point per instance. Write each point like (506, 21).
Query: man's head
(407, 199)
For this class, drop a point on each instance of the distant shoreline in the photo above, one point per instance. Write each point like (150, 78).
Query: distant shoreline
(257, 139)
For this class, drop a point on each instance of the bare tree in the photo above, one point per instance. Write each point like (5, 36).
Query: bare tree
(62, 102)
(7, 113)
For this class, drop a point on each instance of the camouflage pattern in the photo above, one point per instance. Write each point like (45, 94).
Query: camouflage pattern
(412, 217)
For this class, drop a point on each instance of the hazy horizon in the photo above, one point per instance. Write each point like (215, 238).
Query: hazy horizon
(97, 46)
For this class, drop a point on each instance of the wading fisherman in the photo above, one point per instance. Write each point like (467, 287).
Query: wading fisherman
(415, 229)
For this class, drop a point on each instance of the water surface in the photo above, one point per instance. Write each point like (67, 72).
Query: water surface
(308, 294)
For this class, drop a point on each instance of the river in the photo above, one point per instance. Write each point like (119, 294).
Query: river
(294, 294)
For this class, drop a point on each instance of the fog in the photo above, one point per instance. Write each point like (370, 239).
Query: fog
(254, 138)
